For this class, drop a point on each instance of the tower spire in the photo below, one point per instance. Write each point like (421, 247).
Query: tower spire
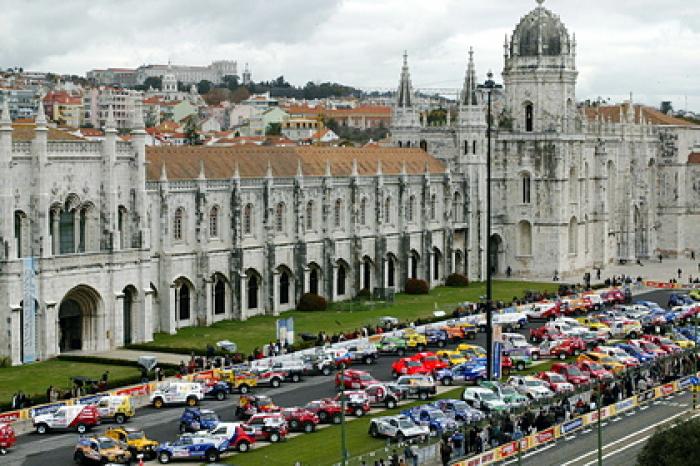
(469, 90)
(405, 88)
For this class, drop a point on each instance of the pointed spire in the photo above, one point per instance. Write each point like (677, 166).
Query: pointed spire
(405, 94)
(354, 168)
(138, 122)
(379, 168)
(41, 114)
(6, 121)
(163, 173)
(202, 174)
(300, 172)
(110, 124)
(328, 169)
(469, 89)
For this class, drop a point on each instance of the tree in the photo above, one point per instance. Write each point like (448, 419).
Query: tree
(156, 82)
(217, 95)
(191, 129)
(671, 447)
(239, 95)
(231, 82)
(273, 129)
(666, 107)
(204, 86)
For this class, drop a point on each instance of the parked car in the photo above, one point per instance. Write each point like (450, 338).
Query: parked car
(665, 343)
(270, 427)
(381, 394)
(419, 386)
(71, 417)
(176, 392)
(532, 387)
(460, 410)
(557, 383)
(408, 366)
(248, 405)
(397, 428)
(430, 361)
(467, 372)
(300, 419)
(618, 354)
(571, 373)
(563, 348)
(353, 378)
(268, 378)
(101, 450)
(437, 421)
(388, 344)
(328, 411)
(195, 419)
(506, 392)
(595, 371)
(544, 333)
(240, 381)
(483, 399)
(8, 439)
(437, 337)
(238, 437)
(212, 387)
(648, 347)
(135, 440)
(115, 407)
(356, 402)
(199, 447)
(606, 361)
(679, 299)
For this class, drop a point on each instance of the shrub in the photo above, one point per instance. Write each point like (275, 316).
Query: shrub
(417, 286)
(312, 302)
(364, 294)
(457, 280)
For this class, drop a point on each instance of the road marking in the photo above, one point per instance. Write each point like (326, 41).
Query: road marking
(625, 438)
(570, 437)
(644, 407)
(585, 431)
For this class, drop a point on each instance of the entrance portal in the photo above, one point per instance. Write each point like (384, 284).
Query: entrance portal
(71, 326)
(76, 320)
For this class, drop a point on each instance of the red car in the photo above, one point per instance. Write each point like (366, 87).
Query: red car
(408, 366)
(563, 348)
(248, 405)
(572, 373)
(614, 296)
(355, 379)
(328, 411)
(271, 427)
(7, 438)
(648, 347)
(594, 370)
(430, 361)
(544, 333)
(300, 419)
(664, 343)
(557, 383)
(357, 403)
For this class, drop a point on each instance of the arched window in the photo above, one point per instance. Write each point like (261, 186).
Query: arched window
(178, 224)
(214, 222)
(391, 271)
(525, 236)
(573, 185)
(414, 259)
(387, 210)
(338, 213)
(529, 117)
(411, 207)
(466, 147)
(284, 287)
(340, 280)
(400, 144)
(437, 255)
(573, 236)
(21, 233)
(408, 143)
(367, 274)
(183, 300)
(424, 145)
(66, 228)
(219, 296)
(457, 207)
(253, 286)
(526, 188)
(363, 211)
(433, 207)
(279, 217)
(313, 280)
(310, 215)
(248, 219)
(474, 147)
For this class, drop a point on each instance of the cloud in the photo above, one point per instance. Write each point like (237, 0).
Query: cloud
(623, 46)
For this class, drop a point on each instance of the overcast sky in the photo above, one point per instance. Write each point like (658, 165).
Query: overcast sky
(648, 47)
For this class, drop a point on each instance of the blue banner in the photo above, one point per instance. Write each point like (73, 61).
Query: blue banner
(46, 409)
(496, 362)
(28, 310)
(571, 425)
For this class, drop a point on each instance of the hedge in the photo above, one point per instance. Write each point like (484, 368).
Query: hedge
(457, 280)
(312, 302)
(417, 286)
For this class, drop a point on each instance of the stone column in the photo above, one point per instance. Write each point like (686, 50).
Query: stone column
(52, 330)
(172, 322)
(118, 330)
(15, 336)
(145, 322)
(276, 292)
(208, 301)
(55, 234)
(334, 283)
(244, 297)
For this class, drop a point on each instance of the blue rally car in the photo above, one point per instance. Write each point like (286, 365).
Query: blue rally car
(195, 419)
(193, 447)
(435, 419)
(459, 410)
(635, 352)
(436, 337)
(472, 371)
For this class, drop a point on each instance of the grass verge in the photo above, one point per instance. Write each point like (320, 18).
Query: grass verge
(340, 317)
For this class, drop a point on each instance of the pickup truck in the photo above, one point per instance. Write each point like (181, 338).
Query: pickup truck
(419, 386)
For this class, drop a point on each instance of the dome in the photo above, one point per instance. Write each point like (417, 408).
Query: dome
(540, 26)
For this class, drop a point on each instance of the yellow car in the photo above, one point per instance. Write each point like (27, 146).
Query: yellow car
(471, 348)
(452, 357)
(135, 439)
(240, 381)
(685, 344)
(416, 340)
(468, 330)
(593, 324)
(101, 450)
(606, 361)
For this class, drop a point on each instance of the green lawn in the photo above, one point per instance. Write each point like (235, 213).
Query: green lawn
(323, 447)
(34, 379)
(343, 316)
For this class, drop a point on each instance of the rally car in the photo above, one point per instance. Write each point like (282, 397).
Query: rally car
(430, 361)
(199, 446)
(78, 417)
(649, 347)
(467, 372)
(533, 388)
(420, 386)
(595, 371)
(452, 357)
(101, 450)
(392, 345)
(238, 437)
(271, 427)
(437, 337)
(135, 440)
(572, 373)
(249, 405)
(354, 379)
(556, 382)
(265, 377)
(116, 407)
(563, 348)
(606, 361)
(381, 394)
(437, 421)
(460, 410)
(483, 398)
(506, 392)
(8, 438)
(241, 381)
(664, 343)
(189, 393)
(408, 366)
(213, 387)
(397, 428)
(619, 354)
(328, 411)
(300, 419)
(195, 419)
(356, 402)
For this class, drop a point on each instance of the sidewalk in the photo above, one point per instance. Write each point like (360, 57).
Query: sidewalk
(133, 355)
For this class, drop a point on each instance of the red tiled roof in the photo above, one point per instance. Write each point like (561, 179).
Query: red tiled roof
(694, 158)
(22, 131)
(652, 115)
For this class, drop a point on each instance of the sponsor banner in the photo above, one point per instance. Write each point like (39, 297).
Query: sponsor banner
(544, 436)
(605, 412)
(652, 284)
(88, 400)
(646, 396)
(138, 390)
(507, 450)
(664, 390)
(685, 383)
(625, 405)
(10, 417)
(571, 425)
(484, 458)
(45, 409)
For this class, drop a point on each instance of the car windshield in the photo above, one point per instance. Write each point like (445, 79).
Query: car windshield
(365, 377)
(405, 424)
(107, 443)
(209, 417)
(533, 383)
(437, 414)
(413, 364)
(556, 378)
(665, 341)
(651, 346)
(506, 390)
(461, 405)
(488, 396)
(573, 370)
(138, 435)
(431, 359)
(595, 367)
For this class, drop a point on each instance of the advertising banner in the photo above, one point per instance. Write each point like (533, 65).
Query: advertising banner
(496, 361)
(687, 382)
(625, 405)
(10, 417)
(646, 396)
(138, 390)
(664, 390)
(45, 409)
(571, 426)
(88, 400)
(544, 436)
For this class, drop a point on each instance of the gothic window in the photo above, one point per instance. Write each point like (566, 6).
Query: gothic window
(433, 207)
(313, 280)
(21, 233)
(466, 147)
(182, 301)
(122, 221)
(526, 188)
(253, 285)
(529, 117)
(219, 296)
(284, 287)
(338, 213)
(310, 215)
(573, 236)
(525, 236)
(457, 207)
(341, 278)
(474, 147)
(391, 271)
(387, 210)
(279, 217)
(414, 258)
(363, 211)
(248, 219)
(411, 207)
(177, 224)
(424, 145)
(437, 256)
(573, 185)
(214, 222)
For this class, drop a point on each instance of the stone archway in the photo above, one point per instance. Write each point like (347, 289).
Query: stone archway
(497, 253)
(128, 305)
(77, 320)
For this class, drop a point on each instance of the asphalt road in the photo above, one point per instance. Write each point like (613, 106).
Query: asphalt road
(56, 449)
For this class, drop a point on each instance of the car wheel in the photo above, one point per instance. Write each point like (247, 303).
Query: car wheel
(119, 418)
(633, 335)
(274, 437)
(164, 457)
(400, 352)
(158, 403)
(183, 428)
(359, 412)
(337, 418)
(520, 366)
(441, 344)
(373, 430)
(191, 401)
(294, 424)
(309, 427)
(447, 380)
(577, 352)
(535, 356)
(368, 360)
(296, 378)
(212, 456)
(323, 416)
(275, 383)
(561, 356)
(79, 457)
(220, 396)
(390, 403)
(81, 428)
(243, 446)
(42, 429)
(423, 395)
(326, 370)
(243, 389)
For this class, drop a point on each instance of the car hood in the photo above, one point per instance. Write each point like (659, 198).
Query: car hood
(416, 431)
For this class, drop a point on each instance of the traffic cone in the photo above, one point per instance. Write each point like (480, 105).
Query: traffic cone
(140, 460)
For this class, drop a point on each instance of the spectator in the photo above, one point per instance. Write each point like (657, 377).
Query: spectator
(445, 453)
(105, 377)
(680, 272)
(457, 440)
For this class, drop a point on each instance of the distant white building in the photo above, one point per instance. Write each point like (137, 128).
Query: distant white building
(189, 74)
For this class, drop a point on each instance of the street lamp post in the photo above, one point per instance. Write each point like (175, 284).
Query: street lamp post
(695, 360)
(600, 427)
(489, 85)
(343, 445)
